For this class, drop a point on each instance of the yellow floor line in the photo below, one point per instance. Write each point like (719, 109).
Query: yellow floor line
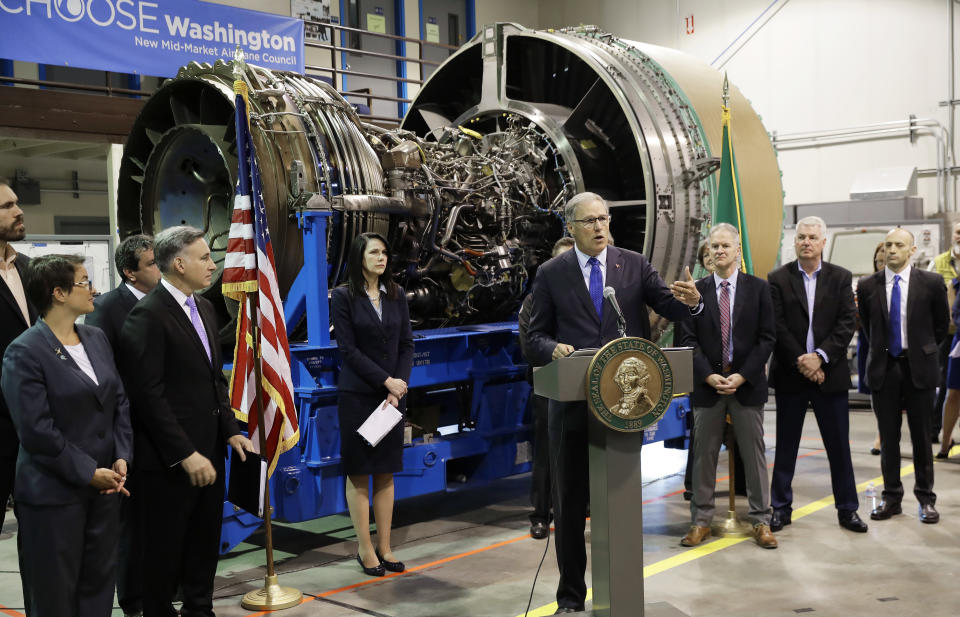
(717, 545)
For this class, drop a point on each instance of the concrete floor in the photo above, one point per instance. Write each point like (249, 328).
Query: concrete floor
(468, 553)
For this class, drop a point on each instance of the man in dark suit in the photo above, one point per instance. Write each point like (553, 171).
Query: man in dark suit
(540, 481)
(16, 315)
(182, 424)
(904, 314)
(569, 313)
(732, 339)
(135, 262)
(815, 316)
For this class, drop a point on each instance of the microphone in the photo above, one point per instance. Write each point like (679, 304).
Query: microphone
(611, 295)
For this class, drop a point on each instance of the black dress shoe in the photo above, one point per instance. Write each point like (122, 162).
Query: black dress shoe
(885, 510)
(539, 531)
(779, 519)
(929, 514)
(377, 570)
(563, 610)
(852, 521)
(393, 566)
(875, 451)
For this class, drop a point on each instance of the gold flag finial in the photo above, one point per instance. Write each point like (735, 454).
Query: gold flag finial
(726, 89)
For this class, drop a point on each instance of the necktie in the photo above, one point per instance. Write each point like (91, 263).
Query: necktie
(725, 323)
(198, 324)
(896, 343)
(596, 285)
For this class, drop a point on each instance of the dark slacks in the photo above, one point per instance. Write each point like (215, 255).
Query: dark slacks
(181, 544)
(68, 561)
(540, 480)
(8, 469)
(832, 412)
(898, 393)
(130, 550)
(567, 425)
(936, 418)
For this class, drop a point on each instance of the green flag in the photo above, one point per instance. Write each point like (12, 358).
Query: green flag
(730, 205)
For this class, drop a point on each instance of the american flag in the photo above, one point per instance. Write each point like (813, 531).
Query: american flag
(250, 271)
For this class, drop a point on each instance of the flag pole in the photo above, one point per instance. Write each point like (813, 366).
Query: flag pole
(271, 597)
(732, 527)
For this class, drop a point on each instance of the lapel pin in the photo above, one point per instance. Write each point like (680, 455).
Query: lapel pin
(59, 353)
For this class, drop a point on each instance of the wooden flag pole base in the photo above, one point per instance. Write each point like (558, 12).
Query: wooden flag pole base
(272, 597)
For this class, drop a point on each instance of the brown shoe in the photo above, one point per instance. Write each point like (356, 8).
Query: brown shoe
(695, 536)
(763, 536)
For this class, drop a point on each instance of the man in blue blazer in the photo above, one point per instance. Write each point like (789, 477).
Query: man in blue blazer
(732, 340)
(569, 313)
(182, 424)
(16, 315)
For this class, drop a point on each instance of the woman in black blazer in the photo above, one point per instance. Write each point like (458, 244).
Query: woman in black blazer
(71, 414)
(371, 323)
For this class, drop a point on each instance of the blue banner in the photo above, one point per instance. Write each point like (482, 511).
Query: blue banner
(146, 38)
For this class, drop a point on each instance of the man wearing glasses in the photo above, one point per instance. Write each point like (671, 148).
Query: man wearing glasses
(569, 313)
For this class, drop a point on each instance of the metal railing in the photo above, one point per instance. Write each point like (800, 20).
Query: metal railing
(337, 61)
(336, 55)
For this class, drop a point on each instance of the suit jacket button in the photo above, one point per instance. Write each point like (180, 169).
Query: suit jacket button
(215, 412)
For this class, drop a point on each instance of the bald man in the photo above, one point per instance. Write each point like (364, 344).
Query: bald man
(904, 314)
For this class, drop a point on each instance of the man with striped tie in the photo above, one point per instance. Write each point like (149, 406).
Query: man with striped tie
(732, 340)
(904, 313)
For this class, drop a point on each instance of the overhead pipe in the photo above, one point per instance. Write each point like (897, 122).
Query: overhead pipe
(910, 128)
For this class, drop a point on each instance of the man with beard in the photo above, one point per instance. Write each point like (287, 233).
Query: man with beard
(16, 315)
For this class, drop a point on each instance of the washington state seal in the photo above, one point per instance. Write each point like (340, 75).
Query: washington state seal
(629, 384)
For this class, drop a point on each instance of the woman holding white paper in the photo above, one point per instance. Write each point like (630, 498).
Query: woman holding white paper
(371, 324)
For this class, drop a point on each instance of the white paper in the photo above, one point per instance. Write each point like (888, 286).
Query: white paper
(955, 352)
(383, 418)
(263, 482)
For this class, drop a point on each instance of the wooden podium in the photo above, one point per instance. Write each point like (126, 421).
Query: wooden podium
(616, 496)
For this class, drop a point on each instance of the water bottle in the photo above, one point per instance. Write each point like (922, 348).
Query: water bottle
(872, 495)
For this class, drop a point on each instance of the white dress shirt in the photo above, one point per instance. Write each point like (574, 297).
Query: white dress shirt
(10, 276)
(79, 355)
(137, 293)
(179, 296)
(583, 258)
(904, 286)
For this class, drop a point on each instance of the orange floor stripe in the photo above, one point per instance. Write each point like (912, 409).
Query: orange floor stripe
(10, 611)
(462, 555)
(405, 572)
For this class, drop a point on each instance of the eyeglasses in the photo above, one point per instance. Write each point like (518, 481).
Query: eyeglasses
(593, 220)
(87, 283)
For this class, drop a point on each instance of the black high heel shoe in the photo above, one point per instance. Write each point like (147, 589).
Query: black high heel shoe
(393, 566)
(377, 570)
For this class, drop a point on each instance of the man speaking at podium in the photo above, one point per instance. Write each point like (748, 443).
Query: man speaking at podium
(570, 312)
